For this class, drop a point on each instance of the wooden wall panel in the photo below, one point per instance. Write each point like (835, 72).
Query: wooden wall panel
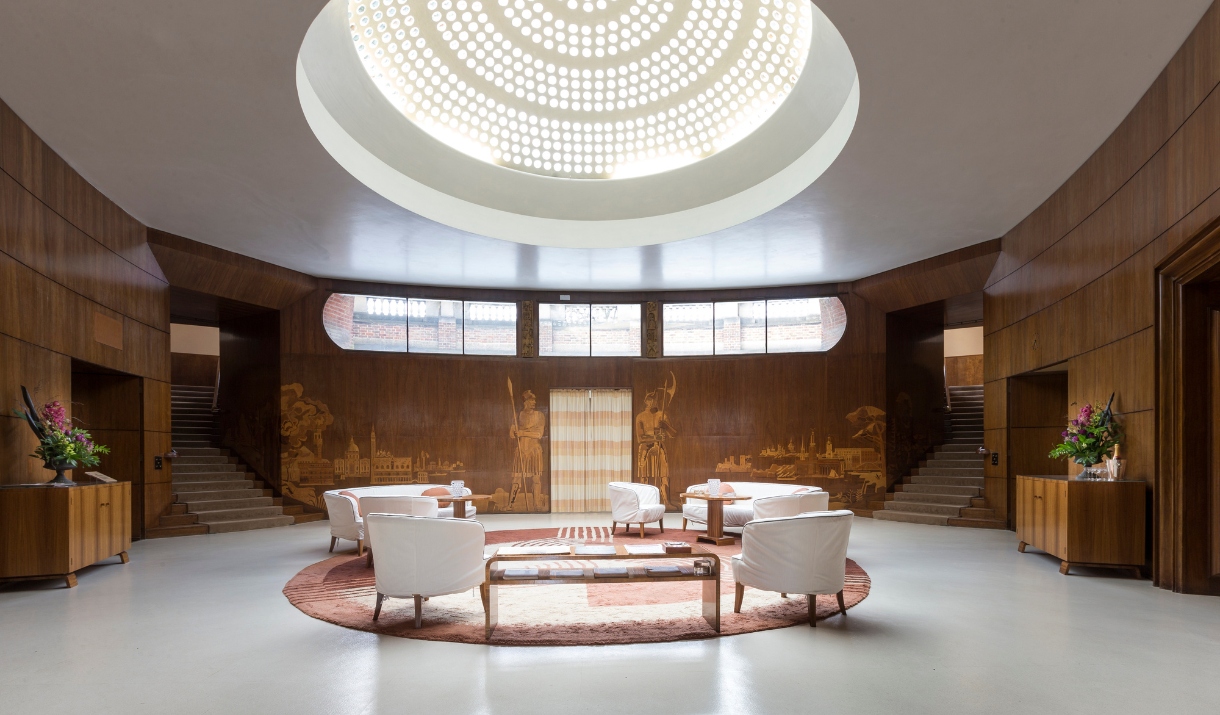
(951, 274)
(46, 176)
(250, 391)
(1075, 281)
(187, 369)
(964, 370)
(77, 282)
(215, 271)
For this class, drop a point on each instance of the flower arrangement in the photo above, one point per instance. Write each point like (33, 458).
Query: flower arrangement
(60, 445)
(1091, 437)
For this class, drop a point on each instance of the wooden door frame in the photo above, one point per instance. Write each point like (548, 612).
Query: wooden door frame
(1181, 505)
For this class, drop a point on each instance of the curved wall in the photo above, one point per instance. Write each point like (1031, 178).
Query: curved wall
(1075, 282)
(447, 409)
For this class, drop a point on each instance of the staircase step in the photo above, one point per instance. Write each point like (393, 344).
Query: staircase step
(213, 468)
(267, 522)
(181, 488)
(922, 508)
(979, 523)
(974, 512)
(213, 477)
(165, 532)
(910, 517)
(245, 501)
(192, 499)
(974, 462)
(203, 452)
(955, 448)
(947, 481)
(177, 520)
(249, 512)
(306, 518)
(947, 471)
(941, 489)
(201, 459)
(906, 498)
(181, 444)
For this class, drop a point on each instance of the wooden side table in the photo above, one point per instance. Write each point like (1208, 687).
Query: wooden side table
(715, 517)
(459, 503)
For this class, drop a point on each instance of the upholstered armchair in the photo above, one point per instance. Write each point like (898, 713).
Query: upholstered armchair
(420, 557)
(345, 521)
(805, 554)
(790, 504)
(408, 505)
(632, 503)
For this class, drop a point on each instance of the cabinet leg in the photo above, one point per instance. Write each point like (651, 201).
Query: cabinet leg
(70, 579)
(1063, 567)
(1021, 547)
(124, 557)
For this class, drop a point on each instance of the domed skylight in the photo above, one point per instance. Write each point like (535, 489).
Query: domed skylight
(592, 89)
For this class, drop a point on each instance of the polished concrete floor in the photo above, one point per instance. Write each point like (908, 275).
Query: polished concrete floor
(958, 622)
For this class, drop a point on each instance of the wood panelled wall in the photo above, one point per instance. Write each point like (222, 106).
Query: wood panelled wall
(77, 281)
(1075, 280)
(448, 409)
(964, 370)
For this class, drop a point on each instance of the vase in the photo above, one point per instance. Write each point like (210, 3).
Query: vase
(1095, 471)
(61, 479)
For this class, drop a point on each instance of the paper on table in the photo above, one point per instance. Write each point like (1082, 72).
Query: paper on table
(567, 573)
(520, 573)
(595, 551)
(645, 549)
(531, 550)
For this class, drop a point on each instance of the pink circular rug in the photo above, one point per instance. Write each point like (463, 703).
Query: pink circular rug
(341, 590)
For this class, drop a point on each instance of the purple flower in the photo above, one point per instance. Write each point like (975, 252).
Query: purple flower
(1075, 423)
(1075, 438)
(1064, 434)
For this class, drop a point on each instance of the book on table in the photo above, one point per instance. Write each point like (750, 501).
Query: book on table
(591, 550)
(567, 573)
(610, 572)
(520, 573)
(663, 570)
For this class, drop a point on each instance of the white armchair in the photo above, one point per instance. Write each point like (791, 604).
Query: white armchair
(795, 554)
(345, 521)
(420, 557)
(790, 504)
(407, 505)
(632, 503)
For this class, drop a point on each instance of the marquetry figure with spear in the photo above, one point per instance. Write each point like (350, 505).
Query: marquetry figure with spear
(652, 428)
(527, 430)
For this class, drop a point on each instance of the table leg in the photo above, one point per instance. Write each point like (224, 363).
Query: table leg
(459, 509)
(711, 602)
(715, 526)
(491, 608)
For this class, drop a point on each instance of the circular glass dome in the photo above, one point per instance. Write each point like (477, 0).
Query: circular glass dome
(592, 89)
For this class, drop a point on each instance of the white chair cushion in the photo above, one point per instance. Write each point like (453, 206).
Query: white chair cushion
(692, 511)
(790, 504)
(738, 515)
(632, 503)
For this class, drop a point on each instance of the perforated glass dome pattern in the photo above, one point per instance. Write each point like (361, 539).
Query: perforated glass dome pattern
(592, 89)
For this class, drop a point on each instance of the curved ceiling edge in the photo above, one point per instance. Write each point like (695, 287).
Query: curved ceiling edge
(386, 153)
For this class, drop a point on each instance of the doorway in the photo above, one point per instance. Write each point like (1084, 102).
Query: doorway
(590, 447)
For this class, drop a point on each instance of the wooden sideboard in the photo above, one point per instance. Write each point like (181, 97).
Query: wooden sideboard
(1083, 522)
(53, 532)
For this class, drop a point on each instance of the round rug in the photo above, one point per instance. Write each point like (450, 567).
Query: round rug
(341, 590)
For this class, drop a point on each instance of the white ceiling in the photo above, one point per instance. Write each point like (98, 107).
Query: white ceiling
(971, 113)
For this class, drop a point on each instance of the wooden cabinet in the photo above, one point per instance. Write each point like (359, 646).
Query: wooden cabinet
(1083, 522)
(53, 532)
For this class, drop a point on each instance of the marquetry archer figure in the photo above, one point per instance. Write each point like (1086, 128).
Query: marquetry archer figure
(652, 428)
(527, 430)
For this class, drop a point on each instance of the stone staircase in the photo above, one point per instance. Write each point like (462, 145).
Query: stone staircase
(946, 489)
(213, 492)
